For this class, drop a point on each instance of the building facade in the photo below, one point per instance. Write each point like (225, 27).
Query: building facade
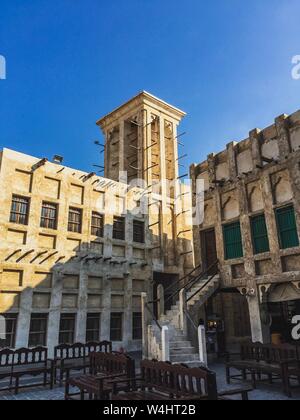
(252, 226)
(77, 250)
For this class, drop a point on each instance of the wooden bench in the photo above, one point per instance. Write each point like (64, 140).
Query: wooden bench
(276, 362)
(70, 357)
(164, 381)
(6, 366)
(15, 364)
(104, 368)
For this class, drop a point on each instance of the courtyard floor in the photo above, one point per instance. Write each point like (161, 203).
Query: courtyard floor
(264, 392)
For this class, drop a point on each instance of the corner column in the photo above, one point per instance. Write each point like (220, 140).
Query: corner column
(54, 314)
(23, 328)
(82, 306)
(260, 331)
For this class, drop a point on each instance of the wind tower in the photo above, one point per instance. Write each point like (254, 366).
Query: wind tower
(141, 141)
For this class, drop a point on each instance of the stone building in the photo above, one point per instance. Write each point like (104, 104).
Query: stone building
(252, 226)
(84, 257)
(77, 250)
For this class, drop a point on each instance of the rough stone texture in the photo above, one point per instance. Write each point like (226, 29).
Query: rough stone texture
(31, 255)
(262, 174)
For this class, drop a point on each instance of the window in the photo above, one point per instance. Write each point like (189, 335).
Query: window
(38, 330)
(119, 228)
(67, 328)
(233, 241)
(138, 231)
(259, 234)
(116, 326)
(11, 328)
(75, 220)
(97, 224)
(137, 330)
(19, 210)
(49, 216)
(287, 228)
(93, 327)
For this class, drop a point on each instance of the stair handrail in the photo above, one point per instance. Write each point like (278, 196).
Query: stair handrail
(153, 316)
(191, 283)
(183, 278)
(202, 287)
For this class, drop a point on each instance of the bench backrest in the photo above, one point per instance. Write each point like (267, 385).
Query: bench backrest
(179, 380)
(25, 356)
(80, 350)
(69, 351)
(94, 346)
(278, 353)
(268, 352)
(251, 351)
(111, 364)
(6, 358)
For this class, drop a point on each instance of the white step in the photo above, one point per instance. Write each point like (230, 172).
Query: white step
(183, 357)
(179, 343)
(182, 350)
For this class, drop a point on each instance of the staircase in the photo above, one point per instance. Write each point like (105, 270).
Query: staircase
(181, 348)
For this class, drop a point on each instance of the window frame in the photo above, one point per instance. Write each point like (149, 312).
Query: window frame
(73, 223)
(118, 232)
(116, 338)
(14, 318)
(94, 227)
(43, 317)
(137, 330)
(67, 317)
(238, 255)
(17, 216)
(47, 218)
(96, 337)
(280, 229)
(138, 237)
(262, 236)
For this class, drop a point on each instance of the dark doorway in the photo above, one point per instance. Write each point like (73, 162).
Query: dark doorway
(209, 249)
(169, 282)
(282, 314)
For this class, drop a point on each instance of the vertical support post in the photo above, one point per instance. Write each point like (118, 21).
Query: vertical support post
(22, 334)
(81, 317)
(122, 175)
(2, 328)
(165, 344)
(145, 323)
(202, 345)
(161, 300)
(260, 331)
(55, 312)
(106, 308)
(182, 311)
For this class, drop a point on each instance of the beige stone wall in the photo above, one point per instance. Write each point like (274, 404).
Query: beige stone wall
(57, 271)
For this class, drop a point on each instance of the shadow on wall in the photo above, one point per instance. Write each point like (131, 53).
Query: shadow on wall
(50, 296)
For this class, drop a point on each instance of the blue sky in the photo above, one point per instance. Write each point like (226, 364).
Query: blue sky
(227, 63)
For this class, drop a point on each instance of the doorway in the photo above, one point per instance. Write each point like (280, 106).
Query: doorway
(282, 314)
(209, 249)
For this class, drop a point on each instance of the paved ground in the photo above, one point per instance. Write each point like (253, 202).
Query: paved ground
(264, 391)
